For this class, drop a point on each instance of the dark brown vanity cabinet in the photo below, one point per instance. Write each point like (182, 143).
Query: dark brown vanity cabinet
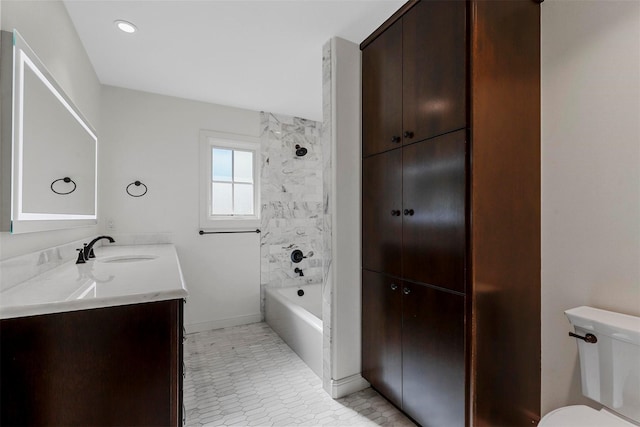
(112, 366)
(451, 211)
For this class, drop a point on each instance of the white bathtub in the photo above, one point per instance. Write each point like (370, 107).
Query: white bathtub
(298, 321)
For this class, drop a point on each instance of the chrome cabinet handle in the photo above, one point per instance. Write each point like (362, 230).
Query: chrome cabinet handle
(394, 287)
(406, 291)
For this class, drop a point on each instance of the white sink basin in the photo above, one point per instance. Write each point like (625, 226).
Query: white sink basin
(127, 258)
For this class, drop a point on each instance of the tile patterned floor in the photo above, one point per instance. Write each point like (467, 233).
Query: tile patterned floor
(247, 376)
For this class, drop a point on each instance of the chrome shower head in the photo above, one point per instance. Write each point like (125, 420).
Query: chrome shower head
(300, 151)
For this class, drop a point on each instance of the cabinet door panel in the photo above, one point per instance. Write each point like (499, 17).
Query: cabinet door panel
(434, 187)
(434, 69)
(382, 92)
(433, 372)
(381, 229)
(116, 366)
(382, 334)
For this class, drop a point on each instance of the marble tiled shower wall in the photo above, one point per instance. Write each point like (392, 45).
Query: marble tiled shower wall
(291, 199)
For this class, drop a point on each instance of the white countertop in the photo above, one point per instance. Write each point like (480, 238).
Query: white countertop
(99, 283)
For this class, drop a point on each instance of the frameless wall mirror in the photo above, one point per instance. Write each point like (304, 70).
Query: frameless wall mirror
(51, 146)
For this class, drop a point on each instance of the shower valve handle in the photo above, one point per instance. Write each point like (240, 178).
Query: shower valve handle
(297, 256)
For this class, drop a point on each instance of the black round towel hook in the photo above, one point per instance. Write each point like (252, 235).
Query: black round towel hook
(67, 180)
(137, 184)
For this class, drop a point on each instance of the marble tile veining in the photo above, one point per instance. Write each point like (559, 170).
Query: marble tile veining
(292, 204)
(247, 376)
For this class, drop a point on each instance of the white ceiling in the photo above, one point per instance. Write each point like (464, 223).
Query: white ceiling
(263, 55)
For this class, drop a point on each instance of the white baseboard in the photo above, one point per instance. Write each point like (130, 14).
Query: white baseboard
(345, 386)
(223, 323)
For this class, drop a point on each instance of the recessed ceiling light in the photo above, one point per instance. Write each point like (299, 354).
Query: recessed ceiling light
(125, 26)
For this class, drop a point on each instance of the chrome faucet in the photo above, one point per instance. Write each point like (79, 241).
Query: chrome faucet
(87, 251)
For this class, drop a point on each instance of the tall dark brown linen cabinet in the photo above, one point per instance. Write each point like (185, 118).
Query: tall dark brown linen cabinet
(451, 212)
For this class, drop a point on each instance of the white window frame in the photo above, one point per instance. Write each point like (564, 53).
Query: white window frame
(208, 221)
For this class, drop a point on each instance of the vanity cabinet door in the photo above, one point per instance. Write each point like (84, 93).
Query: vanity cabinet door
(382, 334)
(433, 355)
(107, 366)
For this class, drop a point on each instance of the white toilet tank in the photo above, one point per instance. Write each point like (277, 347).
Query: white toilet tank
(609, 368)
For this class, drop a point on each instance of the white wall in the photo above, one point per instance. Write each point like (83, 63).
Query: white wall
(590, 175)
(341, 147)
(346, 218)
(47, 28)
(155, 139)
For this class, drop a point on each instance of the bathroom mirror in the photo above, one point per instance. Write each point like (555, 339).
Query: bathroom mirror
(52, 148)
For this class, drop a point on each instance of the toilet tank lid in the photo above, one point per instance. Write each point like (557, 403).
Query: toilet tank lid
(616, 325)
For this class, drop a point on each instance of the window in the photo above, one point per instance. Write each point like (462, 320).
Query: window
(229, 181)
